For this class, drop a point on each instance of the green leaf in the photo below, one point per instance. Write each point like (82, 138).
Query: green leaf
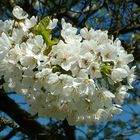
(41, 29)
(57, 68)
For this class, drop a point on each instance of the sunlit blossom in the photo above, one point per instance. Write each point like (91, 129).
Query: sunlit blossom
(78, 78)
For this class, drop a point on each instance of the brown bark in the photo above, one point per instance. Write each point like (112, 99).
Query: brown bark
(69, 131)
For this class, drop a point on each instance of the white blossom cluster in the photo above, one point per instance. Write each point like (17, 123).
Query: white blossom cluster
(84, 77)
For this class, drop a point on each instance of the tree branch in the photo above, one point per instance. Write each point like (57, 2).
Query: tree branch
(10, 135)
(29, 125)
(134, 25)
(90, 12)
(69, 130)
(8, 123)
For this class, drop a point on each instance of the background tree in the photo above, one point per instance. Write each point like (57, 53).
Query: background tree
(122, 20)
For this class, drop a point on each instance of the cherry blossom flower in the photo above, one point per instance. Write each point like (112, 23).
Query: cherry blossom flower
(79, 78)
